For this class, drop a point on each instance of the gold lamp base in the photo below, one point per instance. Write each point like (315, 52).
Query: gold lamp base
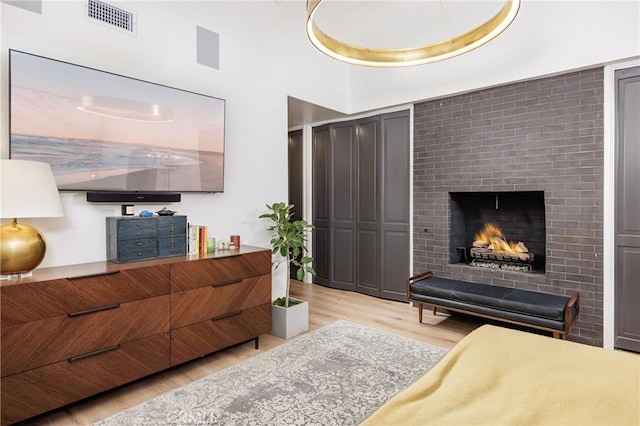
(22, 249)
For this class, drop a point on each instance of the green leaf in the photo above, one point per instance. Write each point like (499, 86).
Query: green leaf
(300, 274)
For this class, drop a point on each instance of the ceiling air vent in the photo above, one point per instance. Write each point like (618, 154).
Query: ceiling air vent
(111, 16)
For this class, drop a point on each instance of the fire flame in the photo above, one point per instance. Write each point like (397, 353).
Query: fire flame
(493, 237)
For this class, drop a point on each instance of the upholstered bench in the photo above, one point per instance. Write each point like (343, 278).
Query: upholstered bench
(543, 311)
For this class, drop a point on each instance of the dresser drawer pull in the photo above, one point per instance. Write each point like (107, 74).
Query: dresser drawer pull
(90, 354)
(99, 274)
(226, 283)
(230, 314)
(91, 311)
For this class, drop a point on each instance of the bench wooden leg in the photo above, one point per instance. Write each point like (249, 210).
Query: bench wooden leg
(420, 312)
(556, 335)
(435, 311)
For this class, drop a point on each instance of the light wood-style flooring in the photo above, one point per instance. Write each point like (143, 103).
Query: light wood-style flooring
(325, 306)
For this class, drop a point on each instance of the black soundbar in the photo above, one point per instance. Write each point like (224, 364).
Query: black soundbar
(133, 197)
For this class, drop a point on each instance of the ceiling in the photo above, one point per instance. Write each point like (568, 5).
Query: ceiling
(390, 24)
(547, 37)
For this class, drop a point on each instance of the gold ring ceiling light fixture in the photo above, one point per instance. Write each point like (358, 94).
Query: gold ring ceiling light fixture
(424, 54)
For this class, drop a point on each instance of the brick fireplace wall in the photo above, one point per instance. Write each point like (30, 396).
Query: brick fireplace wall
(539, 135)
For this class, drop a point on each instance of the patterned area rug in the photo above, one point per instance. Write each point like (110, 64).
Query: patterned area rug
(336, 375)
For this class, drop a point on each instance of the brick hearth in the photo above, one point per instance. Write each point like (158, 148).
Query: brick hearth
(539, 135)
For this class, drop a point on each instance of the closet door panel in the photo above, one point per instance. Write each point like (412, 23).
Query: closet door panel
(342, 206)
(627, 284)
(368, 265)
(320, 214)
(368, 206)
(395, 251)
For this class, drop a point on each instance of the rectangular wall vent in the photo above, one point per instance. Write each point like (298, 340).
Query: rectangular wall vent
(111, 16)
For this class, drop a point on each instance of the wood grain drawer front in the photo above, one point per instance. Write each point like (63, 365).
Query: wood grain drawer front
(36, 391)
(192, 306)
(46, 299)
(202, 273)
(199, 339)
(38, 343)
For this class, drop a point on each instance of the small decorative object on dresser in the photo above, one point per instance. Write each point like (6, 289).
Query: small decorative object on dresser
(128, 210)
(130, 239)
(290, 316)
(165, 212)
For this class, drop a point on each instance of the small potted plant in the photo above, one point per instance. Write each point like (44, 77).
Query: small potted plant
(288, 245)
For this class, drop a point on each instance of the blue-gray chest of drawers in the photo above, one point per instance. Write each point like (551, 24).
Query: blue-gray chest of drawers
(140, 238)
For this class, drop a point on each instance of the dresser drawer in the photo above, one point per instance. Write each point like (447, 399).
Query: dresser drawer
(127, 225)
(173, 251)
(136, 234)
(191, 306)
(137, 244)
(36, 391)
(46, 299)
(38, 343)
(172, 226)
(140, 254)
(199, 339)
(177, 222)
(170, 232)
(202, 273)
(172, 246)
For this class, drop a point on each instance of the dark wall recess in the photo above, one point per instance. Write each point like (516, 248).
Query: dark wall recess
(520, 216)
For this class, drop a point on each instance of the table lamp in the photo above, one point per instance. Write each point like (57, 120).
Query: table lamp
(28, 190)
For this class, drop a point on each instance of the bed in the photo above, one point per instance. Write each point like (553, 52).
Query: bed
(502, 376)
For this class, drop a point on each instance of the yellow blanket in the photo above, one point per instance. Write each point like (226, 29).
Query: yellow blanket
(506, 377)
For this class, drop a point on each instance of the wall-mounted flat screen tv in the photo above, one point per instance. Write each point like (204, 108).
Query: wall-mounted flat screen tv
(105, 132)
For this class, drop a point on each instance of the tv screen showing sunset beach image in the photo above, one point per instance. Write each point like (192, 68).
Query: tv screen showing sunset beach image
(105, 132)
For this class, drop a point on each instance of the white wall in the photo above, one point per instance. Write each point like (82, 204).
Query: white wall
(260, 64)
(547, 37)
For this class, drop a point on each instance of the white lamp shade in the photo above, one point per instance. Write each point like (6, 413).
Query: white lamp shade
(28, 190)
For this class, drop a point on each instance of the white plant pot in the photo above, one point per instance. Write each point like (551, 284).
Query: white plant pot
(288, 322)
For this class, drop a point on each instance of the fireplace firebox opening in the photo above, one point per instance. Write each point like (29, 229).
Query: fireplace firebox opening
(498, 230)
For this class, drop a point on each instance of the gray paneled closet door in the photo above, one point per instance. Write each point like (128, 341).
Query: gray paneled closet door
(367, 172)
(368, 206)
(320, 215)
(627, 283)
(342, 206)
(394, 217)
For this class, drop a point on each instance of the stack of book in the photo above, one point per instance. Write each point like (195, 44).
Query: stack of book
(197, 239)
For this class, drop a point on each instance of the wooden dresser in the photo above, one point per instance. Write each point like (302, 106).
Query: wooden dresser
(74, 331)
